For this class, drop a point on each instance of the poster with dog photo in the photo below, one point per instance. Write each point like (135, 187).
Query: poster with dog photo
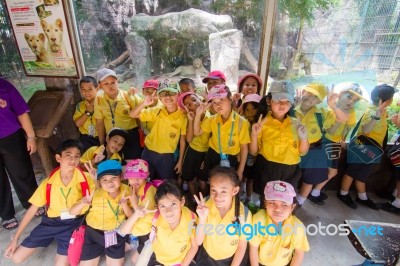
(42, 37)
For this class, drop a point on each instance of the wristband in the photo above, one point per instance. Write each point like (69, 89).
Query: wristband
(375, 117)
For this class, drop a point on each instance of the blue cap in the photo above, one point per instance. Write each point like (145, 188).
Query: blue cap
(109, 167)
(383, 92)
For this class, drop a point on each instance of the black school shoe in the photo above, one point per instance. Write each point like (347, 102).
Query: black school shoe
(388, 207)
(368, 202)
(323, 196)
(316, 200)
(346, 199)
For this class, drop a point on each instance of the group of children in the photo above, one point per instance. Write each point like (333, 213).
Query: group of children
(218, 143)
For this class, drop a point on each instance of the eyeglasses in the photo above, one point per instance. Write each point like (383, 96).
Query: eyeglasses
(167, 93)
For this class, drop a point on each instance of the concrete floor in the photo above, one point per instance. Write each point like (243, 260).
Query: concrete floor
(325, 250)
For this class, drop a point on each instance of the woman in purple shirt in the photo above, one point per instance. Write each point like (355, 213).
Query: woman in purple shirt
(17, 142)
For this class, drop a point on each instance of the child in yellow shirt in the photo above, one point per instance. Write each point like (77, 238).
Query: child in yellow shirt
(65, 186)
(84, 112)
(109, 208)
(286, 247)
(171, 236)
(115, 141)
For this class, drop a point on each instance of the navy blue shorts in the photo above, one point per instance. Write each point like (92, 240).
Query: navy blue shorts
(161, 164)
(192, 164)
(93, 246)
(203, 259)
(52, 229)
(132, 149)
(314, 165)
(333, 152)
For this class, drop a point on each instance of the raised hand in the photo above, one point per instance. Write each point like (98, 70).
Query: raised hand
(203, 107)
(91, 170)
(87, 200)
(301, 131)
(149, 99)
(132, 91)
(332, 99)
(202, 209)
(190, 114)
(257, 127)
(236, 97)
(142, 211)
(99, 156)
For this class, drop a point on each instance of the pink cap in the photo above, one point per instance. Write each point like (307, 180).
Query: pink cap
(242, 79)
(279, 190)
(151, 83)
(182, 97)
(218, 91)
(137, 169)
(252, 98)
(216, 74)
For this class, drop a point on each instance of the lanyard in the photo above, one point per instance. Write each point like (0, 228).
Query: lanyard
(65, 196)
(230, 135)
(115, 212)
(112, 112)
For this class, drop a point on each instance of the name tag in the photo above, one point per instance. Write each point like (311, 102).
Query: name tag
(65, 215)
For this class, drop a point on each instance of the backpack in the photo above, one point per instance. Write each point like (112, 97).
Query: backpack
(84, 186)
(155, 183)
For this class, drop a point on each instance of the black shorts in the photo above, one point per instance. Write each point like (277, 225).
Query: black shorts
(314, 165)
(361, 171)
(51, 229)
(333, 152)
(161, 164)
(265, 171)
(192, 163)
(203, 259)
(89, 141)
(93, 246)
(213, 159)
(132, 149)
(153, 261)
(249, 166)
(142, 241)
(397, 173)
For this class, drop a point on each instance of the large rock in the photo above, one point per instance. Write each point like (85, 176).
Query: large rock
(225, 54)
(139, 50)
(188, 24)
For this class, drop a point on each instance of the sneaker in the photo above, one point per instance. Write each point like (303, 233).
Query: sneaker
(368, 202)
(388, 207)
(316, 200)
(346, 199)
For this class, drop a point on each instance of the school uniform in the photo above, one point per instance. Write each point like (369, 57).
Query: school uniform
(232, 134)
(333, 141)
(278, 156)
(88, 131)
(356, 169)
(163, 140)
(115, 113)
(92, 151)
(220, 248)
(106, 214)
(278, 250)
(62, 197)
(170, 246)
(148, 125)
(195, 154)
(314, 165)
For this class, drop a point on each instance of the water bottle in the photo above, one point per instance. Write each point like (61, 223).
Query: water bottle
(133, 242)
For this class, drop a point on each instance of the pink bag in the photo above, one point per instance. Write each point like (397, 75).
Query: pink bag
(76, 245)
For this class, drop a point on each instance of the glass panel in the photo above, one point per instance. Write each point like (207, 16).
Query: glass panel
(332, 41)
(151, 39)
(10, 61)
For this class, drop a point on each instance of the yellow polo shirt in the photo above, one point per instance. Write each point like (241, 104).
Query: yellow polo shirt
(167, 130)
(147, 125)
(278, 141)
(79, 111)
(92, 151)
(278, 250)
(149, 197)
(200, 143)
(106, 212)
(378, 132)
(242, 136)
(222, 245)
(342, 131)
(104, 107)
(309, 120)
(170, 246)
(62, 197)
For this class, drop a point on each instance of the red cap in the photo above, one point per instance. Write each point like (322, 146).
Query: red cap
(151, 83)
(240, 82)
(215, 74)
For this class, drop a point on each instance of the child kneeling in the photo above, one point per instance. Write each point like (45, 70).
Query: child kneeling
(278, 248)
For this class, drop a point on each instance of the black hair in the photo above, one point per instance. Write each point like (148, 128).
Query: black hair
(255, 105)
(233, 176)
(263, 107)
(187, 81)
(89, 79)
(69, 143)
(168, 188)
